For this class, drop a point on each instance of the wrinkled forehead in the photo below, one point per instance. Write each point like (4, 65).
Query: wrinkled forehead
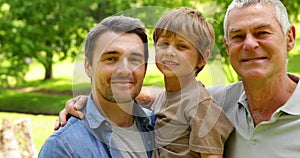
(254, 13)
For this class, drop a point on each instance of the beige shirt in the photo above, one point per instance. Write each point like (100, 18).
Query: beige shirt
(189, 122)
(128, 141)
(276, 138)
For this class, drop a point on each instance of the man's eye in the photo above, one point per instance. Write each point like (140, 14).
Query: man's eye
(237, 37)
(111, 59)
(136, 60)
(263, 34)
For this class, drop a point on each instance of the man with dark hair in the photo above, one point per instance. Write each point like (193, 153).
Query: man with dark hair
(115, 125)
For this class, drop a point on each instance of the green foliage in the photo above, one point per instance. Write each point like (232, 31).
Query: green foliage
(44, 29)
(40, 29)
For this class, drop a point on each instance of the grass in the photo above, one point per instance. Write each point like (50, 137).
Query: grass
(15, 104)
(33, 103)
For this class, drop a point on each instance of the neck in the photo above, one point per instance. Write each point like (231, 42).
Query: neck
(119, 114)
(264, 98)
(173, 84)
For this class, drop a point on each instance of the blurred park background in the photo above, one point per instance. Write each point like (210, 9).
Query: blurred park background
(41, 44)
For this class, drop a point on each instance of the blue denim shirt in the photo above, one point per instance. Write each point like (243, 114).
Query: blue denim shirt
(90, 137)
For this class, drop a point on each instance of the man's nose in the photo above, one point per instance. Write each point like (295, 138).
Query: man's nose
(250, 43)
(123, 67)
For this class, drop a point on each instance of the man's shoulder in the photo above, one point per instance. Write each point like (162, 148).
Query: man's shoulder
(228, 88)
(225, 93)
(73, 129)
(62, 140)
(73, 140)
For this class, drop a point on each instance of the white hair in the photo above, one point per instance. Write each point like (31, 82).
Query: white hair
(280, 12)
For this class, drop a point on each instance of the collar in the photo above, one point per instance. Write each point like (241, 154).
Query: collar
(95, 119)
(243, 101)
(290, 107)
(92, 114)
(293, 77)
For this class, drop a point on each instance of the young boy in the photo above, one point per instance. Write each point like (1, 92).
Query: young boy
(189, 123)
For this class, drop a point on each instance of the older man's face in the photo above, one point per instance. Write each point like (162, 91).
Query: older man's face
(256, 44)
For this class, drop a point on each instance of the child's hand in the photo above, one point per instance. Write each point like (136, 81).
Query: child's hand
(72, 107)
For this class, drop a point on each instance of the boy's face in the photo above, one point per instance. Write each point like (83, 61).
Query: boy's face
(176, 56)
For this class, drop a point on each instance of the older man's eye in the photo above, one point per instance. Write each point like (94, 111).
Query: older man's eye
(262, 34)
(237, 37)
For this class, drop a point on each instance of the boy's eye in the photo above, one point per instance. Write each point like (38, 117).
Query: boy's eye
(182, 46)
(162, 45)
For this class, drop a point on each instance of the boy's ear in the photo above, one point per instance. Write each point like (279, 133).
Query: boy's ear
(207, 54)
(88, 68)
(204, 59)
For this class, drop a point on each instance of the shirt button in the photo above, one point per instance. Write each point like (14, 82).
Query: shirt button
(149, 141)
(106, 124)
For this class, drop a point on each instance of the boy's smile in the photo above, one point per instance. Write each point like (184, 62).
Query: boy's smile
(176, 56)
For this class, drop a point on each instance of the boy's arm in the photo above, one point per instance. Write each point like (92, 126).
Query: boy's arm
(72, 107)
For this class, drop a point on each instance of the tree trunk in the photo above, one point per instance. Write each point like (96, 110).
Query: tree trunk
(16, 140)
(48, 65)
(48, 71)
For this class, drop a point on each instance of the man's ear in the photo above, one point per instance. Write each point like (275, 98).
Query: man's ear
(88, 68)
(225, 42)
(291, 35)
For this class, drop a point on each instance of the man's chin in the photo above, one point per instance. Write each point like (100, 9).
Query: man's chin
(123, 99)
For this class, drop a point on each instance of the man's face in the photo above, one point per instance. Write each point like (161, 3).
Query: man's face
(256, 44)
(118, 67)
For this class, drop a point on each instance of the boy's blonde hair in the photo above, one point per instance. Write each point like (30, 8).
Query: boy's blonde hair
(190, 24)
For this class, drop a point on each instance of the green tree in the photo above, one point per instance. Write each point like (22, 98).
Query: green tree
(40, 29)
(44, 29)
